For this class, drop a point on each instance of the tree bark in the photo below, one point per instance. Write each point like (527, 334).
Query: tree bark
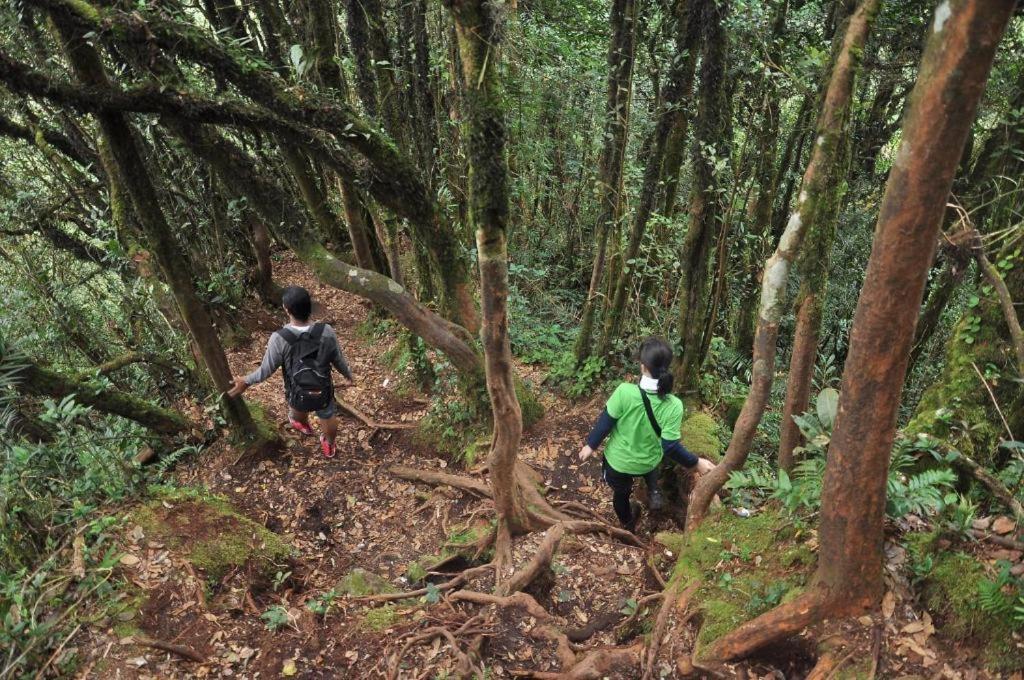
(950, 83)
(43, 381)
(609, 182)
(705, 204)
(479, 49)
(175, 268)
(680, 82)
(811, 205)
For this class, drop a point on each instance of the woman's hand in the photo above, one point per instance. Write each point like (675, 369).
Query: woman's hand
(586, 452)
(704, 466)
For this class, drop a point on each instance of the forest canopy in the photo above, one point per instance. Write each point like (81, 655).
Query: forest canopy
(497, 205)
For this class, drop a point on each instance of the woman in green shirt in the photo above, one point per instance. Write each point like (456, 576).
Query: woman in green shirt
(643, 421)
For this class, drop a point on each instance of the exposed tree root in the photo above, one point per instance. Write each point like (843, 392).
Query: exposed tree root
(582, 527)
(1004, 541)
(455, 582)
(640, 605)
(597, 664)
(775, 625)
(831, 657)
(464, 663)
(541, 561)
(579, 509)
(179, 650)
(369, 422)
(992, 483)
(676, 597)
(564, 651)
(595, 624)
(518, 599)
(476, 486)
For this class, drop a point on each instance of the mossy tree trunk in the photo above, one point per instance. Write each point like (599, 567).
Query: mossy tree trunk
(43, 381)
(951, 80)
(818, 186)
(478, 31)
(609, 181)
(705, 204)
(120, 138)
(678, 87)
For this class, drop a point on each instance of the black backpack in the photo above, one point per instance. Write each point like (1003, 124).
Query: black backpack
(307, 376)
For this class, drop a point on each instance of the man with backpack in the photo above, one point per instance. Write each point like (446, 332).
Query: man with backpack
(307, 352)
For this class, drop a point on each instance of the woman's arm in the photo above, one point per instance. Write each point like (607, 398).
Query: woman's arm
(598, 432)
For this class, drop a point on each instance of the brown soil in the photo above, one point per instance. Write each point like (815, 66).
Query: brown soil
(346, 513)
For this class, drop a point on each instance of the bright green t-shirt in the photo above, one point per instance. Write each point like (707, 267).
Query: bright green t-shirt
(633, 447)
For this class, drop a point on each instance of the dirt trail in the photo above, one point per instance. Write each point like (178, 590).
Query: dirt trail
(345, 514)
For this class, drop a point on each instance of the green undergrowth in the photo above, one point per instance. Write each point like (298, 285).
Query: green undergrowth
(745, 567)
(971, 601)
(210, 533)
(360, 583)
(701, 434)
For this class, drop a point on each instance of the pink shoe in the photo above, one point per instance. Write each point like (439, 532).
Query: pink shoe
(301, 428)
(327, 448)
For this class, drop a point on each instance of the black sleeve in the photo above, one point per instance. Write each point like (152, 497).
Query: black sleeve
(678, 454)
(601, 428)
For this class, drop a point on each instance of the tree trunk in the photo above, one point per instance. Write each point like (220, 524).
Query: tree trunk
(478, 38)
(811, 206)
(616, 134)
(705, 203)
(43, 381)
(950, 83)
(680, 82)
(176, 271)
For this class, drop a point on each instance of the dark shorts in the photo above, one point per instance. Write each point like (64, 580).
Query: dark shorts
(322, 414)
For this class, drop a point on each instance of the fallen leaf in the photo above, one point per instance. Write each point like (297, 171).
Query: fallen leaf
(289, 668)
(129, 560)
(888, 604)
(1003, 525)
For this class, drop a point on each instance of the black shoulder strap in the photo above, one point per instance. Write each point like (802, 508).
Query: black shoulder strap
(650, 412)
(288, 335)
(316, 332)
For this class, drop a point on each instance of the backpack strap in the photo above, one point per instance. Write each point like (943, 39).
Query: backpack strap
(650, 412)
(288, 335)
(317, 331)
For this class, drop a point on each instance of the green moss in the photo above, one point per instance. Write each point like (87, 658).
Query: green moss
(700, 434)
(380, 618)
(958, 397)
(952, 592)
(360, 582)
(745, 567)
(415, 572)
(210, 533)
(529, 404)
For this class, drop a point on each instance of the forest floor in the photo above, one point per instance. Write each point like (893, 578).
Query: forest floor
(356, 531)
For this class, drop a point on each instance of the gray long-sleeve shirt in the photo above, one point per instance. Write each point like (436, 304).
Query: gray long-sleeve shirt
(277, 347)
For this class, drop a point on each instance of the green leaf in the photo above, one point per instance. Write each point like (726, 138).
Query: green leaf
(828, 406)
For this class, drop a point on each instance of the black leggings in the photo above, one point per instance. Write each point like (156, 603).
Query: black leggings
(622, 488)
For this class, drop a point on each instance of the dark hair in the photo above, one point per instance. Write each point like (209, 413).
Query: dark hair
(296, 301)
(656, 355)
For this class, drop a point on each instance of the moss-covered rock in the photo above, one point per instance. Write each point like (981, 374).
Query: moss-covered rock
(745, 567)
(210, 533)
(952, 591)
(380, 618)
(360, 582)
(700, 434)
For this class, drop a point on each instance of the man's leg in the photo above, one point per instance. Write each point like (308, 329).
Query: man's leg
(299, 420)
(328, 429)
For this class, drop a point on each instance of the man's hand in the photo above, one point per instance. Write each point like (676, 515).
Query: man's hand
(704, 466)
(239, 386)
(586, 452)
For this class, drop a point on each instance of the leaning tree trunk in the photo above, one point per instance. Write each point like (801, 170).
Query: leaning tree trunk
(813, 200)
(609, 182)
(478, 37)
(44, 381)
(950, 83)
(132, 170)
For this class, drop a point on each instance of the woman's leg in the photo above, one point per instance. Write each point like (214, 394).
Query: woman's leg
(622, 487)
